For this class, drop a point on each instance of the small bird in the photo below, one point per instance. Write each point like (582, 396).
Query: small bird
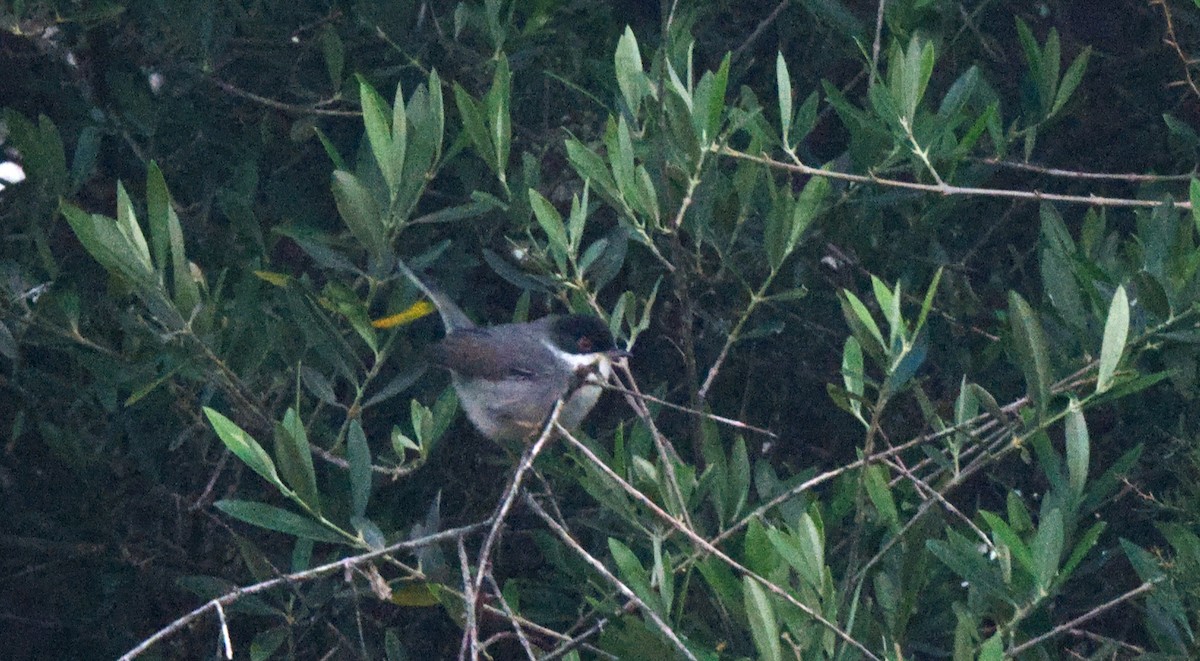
(510, 376)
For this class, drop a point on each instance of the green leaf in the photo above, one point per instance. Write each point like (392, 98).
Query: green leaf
(627, 63)
(551, 223)
(620, 157)
(804, 550)
(1047, 549)
(992, 649)
(634, 574)
(267, 641)
(763, 626)
(963, 558)
(334, 53)
(1071, 80)
(166, 235)
(889, 305)
(496, 102)
(858, 312)
(358, 454)
(927, 303)
(808, 206)
(876, 483)
(426, 127)
(279, 520)
(591, 168)
(158, 203)
(853, 373)
(360, 211)
(1116, 333)
(471, 112)
(128, 226)
(399, 131)
(379, 132)
(1085, 544)
(777, 230)
(784, 83)
(1058, 278)
(739, 476)
(710, 101)
(1078, 448)
(1003, 534)
(245, 447)
(1194, 197)
(1029, 344)
(294, 459)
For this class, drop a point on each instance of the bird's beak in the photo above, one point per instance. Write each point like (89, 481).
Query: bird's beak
(617, 355)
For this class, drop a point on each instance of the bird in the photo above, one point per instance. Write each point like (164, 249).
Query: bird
(510, 376)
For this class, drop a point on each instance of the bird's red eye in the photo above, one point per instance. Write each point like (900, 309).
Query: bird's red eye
(584, 344)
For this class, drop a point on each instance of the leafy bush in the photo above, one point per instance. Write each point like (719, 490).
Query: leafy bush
(897, 390)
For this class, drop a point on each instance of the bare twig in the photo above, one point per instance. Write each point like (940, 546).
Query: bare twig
(470, 598)
(1144, 587)
(737, 424)
(471, 635)
(878, 38)
(625, 590)
(948, 189)
(279, 105)
(708, 547)
(758, 30)
(1076, 174)
(315, 572)
(1173, 42)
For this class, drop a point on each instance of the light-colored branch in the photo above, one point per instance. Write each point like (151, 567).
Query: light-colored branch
(565, 536)
(1144, 587)
(315, 572)
(706, 546)
(948, 189)
(471, 634)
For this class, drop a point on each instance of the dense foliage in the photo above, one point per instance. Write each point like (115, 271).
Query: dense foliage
(915, 352)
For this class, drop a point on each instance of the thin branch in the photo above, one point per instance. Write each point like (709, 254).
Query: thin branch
(875, 44)
(471, 636)
(1144, 587)
(1076, 174)
(315, 572)
(470, 598)
(948, 189)
(280, 105)
(758, 30)
(1171, 40)
(737, 424)
(625, 590)
(708, 546)
(513, 619)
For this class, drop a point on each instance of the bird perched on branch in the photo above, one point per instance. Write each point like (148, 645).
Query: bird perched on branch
(509, 377)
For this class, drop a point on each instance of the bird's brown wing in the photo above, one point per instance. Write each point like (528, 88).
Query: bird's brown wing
(471, 354)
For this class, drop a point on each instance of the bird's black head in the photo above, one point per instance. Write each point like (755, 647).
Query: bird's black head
(581, 334)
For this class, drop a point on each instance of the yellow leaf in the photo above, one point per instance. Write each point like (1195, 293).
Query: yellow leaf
(414, 312)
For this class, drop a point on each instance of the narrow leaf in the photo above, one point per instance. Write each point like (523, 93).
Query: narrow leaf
(784, 83)
(551, 223)
(1116, 333)
(628, 66)
(379, 132)
(763, 626)
(279, 520)
(358, 453)
(1047, 548)
(359, 211)
(294, 459)
(244, 446)
(1029, 343)
(1078, 448)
